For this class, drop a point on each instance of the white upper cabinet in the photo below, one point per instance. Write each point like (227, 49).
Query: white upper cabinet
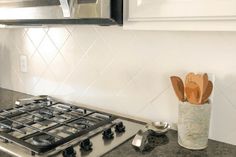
(209, 15)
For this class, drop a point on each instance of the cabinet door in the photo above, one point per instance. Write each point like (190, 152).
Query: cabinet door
(203, 12)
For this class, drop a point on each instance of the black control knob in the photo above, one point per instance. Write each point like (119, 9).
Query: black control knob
(69, 152)
(108, 134)
(86, 145)
(120, 127)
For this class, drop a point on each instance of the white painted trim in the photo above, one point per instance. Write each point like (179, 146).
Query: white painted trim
(206, 23)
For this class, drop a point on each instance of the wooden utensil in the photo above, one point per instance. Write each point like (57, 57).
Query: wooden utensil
(204, 86)
(178, 86)
(192, 91)
(207, 92)
(201, 80)
(189, 77)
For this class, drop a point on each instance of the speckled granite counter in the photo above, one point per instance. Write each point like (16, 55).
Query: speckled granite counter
(170, 148)
(8, 98)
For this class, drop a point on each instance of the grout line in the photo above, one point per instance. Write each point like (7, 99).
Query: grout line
(48, 64)
(104, 40)
(39, 41)
(150, 102)
(226, 97)
(58, 48)
(98, 77)
(129, 81)
(78, 63)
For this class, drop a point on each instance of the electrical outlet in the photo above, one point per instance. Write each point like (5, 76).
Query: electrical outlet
(23, 64)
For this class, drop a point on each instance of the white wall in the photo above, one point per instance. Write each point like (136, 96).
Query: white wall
(122, 71)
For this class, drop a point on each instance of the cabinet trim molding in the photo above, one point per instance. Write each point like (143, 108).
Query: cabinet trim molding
(184, 23)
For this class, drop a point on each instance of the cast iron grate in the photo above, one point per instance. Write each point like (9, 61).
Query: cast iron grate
(50, 120)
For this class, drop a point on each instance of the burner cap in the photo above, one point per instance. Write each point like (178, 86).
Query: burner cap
(46, 113)
(4, 124)
(83, 123)
(43, 140)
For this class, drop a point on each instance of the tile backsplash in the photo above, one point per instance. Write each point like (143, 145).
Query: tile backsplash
(122, 71)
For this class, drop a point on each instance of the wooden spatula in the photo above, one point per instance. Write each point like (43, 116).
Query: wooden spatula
(192, 91)
(178, 86)
(207, 92)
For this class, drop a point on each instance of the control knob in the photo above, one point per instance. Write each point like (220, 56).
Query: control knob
(69, 152)
(108, 134)
(120, 127)
(86, 145)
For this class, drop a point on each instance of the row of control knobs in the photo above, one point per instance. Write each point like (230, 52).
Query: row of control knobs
(108, 134)
(86, 145)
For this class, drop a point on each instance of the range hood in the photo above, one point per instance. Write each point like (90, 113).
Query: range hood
(41, 12)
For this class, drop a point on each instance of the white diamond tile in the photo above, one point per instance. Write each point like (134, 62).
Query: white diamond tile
(15, 36)
(47, 84)
(149, 82)
(163, 108)
(84, 74)
(71, 52)
(5, 67)
(100, 55)
(106, 86)
(220, 106)
(4, 35)
(58, 35)
(29, 81)
(84, 36)
(119, 40)
(26, 46)
(65, 90)
(37, 65)
(59, 68)
(14, 59)
(71, 28)
(229, 94)
(47, 50)
(16, 82)
(36, 35)
(115, 77)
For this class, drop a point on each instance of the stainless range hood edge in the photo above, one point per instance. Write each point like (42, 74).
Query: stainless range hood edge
(115, 18)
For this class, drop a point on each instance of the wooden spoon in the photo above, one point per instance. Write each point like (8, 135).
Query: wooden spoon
(192, 91)
(189, 77)
(207, 92)
(178, 86)
(204, 86)
(201, 80)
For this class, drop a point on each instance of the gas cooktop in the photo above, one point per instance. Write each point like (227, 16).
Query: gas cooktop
(42, 126)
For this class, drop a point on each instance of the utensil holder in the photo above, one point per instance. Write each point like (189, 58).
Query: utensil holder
(193, 125)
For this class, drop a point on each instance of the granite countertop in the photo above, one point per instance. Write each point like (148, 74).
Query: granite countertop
(165, 146)
(169, 148)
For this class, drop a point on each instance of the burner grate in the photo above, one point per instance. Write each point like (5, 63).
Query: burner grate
(39, 126)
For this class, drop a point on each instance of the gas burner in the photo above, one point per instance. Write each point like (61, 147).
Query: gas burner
(83, 123)
(46, 113)
(5, 125)
(43, 140)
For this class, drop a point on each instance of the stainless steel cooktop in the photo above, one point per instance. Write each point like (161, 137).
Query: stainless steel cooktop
(42, 126)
